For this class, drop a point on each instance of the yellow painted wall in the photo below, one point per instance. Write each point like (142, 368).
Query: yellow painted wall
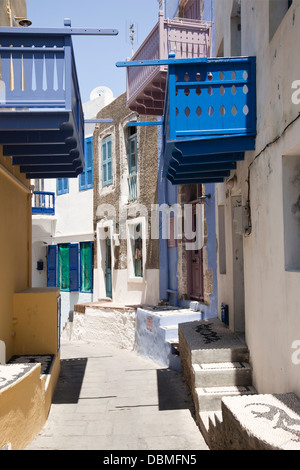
(15, 243)
(35, 321)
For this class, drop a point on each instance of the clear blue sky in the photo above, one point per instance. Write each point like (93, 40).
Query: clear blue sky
(96, 56)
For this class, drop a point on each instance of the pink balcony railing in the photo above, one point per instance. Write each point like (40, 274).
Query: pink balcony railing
(146, 85)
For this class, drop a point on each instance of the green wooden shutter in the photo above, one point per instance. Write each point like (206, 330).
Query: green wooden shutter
(86, 267)
(107, 173)
(63, 266)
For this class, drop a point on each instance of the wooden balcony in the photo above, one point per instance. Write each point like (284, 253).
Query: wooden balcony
(146, 85)
(41, 118)
(210, 117)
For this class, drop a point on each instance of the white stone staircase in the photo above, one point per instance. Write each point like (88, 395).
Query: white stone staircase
(215, 364)
(156, 333)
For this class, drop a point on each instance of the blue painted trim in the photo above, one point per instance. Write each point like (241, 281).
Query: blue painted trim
(146, 123)
(173, 61)
(59, 31)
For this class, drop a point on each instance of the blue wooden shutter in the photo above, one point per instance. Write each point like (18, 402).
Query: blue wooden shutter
(62, 186)
(89, 163)
(51, 266)
(59, 186)
(86, 177)
(73, 267)
(65, 185)
(82, 181)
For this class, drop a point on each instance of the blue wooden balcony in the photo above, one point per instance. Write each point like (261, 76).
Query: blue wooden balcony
(210, 117)
(43, 203)
(41, 118)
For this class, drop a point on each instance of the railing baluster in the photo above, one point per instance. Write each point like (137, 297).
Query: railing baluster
(43, 203)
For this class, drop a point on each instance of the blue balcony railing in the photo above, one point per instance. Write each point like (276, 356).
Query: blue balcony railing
(210, 117)
(41, 118)
(43, 202)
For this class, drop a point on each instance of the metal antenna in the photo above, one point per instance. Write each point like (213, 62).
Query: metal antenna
(131, 36)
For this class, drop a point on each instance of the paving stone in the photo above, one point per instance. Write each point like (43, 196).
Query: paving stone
(113, 399)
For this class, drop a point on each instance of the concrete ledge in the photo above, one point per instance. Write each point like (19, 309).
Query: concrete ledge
(25, 400)
(260, 422)
(208, 341)
(112, 325)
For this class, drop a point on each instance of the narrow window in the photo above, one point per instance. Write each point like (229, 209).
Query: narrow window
(277, 11)
(107, 175)
(235, 27)
(291, 211)
(138, 251)
(86, 177)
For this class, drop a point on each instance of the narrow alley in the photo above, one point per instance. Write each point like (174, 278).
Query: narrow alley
(112, 399)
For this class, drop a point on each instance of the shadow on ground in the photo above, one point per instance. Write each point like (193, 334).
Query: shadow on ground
(173, 393)
(70, 380)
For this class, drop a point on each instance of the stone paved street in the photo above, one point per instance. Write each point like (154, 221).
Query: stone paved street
(112, 399)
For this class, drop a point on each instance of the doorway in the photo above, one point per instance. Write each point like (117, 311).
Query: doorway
(108, 283)
(237, 269)
(195, 267)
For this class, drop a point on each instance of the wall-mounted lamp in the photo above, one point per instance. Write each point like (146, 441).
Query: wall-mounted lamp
(202, 199)
(40, 265)
(23, 21)
(231, 182)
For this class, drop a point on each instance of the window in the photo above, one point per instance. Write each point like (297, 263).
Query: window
(70, 267)
(62, 186)
(107, 174)
(136, 249)
(235, 29)
(132, 163)
(86, 177)
(277, 11)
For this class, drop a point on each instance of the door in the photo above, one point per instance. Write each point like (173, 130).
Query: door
(238, 270)
(195, 267)
(108, 282)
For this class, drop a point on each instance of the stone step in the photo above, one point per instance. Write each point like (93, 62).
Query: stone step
(170, 332)
(222, 374)
(174, 317)
(210, 341)
(209, 398)
(206, 356)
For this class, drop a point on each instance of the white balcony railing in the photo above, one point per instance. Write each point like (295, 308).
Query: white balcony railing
(132, 187)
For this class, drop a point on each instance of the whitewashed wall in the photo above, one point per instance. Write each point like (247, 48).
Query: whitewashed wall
(272, 301)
